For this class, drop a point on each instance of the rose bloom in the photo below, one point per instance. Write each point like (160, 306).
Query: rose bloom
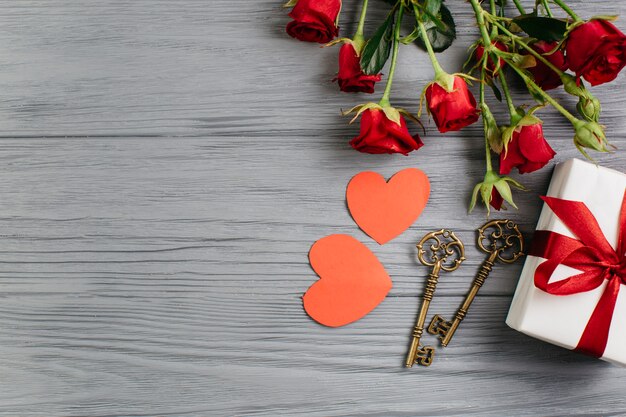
(452, 110)
(491, 66)
(596, 50)
(350, 77)
(527, 151)
(544, 77)
(314, 20)
(381, 135)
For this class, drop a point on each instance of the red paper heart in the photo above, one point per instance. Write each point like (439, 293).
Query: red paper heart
(352, 281)
(383, 209)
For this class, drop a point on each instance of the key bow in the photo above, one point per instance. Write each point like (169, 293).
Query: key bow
(502, 237)
(445, 249)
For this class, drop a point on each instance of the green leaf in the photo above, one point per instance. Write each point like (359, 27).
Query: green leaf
(543, 28)
(440, 38)
(495, 89)
(378, 47)
(432, 7)
(411, 37)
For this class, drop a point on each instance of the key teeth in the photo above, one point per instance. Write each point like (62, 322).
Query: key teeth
(425, 355)
(439, 326)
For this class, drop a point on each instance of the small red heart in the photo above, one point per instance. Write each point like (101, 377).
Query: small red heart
(352, 281)
(384, 209)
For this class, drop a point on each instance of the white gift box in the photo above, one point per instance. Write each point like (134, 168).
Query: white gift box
(561, 319)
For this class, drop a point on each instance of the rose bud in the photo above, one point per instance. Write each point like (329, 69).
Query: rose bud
(451, 108)
(314, 20)
(492, 68)
(494, 190)
(382, 135)
(588, 106)
(350, 77)
(527, 150)
(544, 77)
(596, 50)
(590, 135)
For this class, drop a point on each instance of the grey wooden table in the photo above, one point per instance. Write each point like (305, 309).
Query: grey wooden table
(165, 167)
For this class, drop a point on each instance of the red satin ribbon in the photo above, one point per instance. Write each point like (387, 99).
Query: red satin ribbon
(592, 254)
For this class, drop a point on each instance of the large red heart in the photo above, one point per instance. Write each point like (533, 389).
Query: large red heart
(352, 281)
(384, 209)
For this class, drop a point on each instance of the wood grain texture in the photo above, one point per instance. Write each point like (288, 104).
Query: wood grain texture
(165, 167)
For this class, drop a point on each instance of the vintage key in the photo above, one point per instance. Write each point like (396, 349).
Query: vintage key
(503, 241)
(442, 251)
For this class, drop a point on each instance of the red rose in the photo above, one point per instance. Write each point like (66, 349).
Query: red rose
(350, 77)
(491, 66)
(496, 199)
(596, 50)
(544, 76)
(314, 20)
(527, 150)
(381, 135)
(451, 110)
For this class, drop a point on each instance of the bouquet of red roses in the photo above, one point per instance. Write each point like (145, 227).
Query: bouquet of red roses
(545, 51)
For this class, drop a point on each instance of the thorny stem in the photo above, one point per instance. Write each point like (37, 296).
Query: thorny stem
(482, 105)
(519, 6)
(359, 30)
(505, 87)
(523, 44)
(384, 101)
(567, 10)
(492, 6)
(507, 96)
(480, 19)
(547, 7)
(533, 86)
(429, 47)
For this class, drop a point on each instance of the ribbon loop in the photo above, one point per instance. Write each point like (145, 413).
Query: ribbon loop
(589, 253)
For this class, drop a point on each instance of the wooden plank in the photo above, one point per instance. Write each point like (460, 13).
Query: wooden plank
(160, 276)
(165, 167)
(193, 68)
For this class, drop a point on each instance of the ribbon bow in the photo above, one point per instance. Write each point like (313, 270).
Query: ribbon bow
(592, 254)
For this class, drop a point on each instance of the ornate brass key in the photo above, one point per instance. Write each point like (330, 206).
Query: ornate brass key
(442, 251)
(505, 243)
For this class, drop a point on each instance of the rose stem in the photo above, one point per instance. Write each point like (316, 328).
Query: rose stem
(567, 10)
(547, 7)
(429, 47)
(507, 96)
(384, 101)
(514, 117)
(480, 19)
(481, 89)
(505, 87)
(358, 39)
(534, 53)
(533, 86)
(494, 30)
(519, 6)
(478, 12)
